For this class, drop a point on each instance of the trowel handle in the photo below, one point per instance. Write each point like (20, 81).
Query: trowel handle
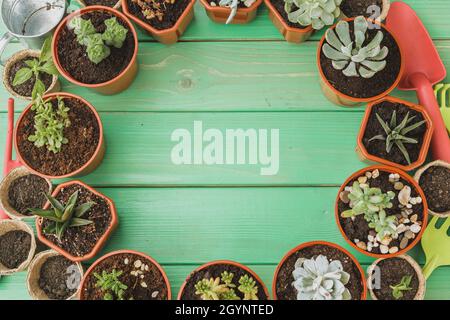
(440, 143)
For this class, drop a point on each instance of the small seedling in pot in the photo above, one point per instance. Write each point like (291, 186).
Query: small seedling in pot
(396, 134)
(317, 13)
(248, 288)
(35, 67)
(223, 288)
(404, 285)
(151, 9)
(64, 216)
(110, 284)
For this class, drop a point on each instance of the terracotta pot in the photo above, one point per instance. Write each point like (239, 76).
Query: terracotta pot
(418, 175)
(4, 191)
(420, 295)
(35, 291)
(13, 225)
(89, 166)
(113, 86)
(384, 11)
(225, 262)
(116, 6)
(166, 36)
(119, 252)
(342, 99)
(294, 35)
(100, 243)
(54, 87)
(366, 156)
(220, 14)
(313, 243)
(412, 183)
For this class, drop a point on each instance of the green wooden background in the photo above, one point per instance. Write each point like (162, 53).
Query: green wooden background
(229, 77)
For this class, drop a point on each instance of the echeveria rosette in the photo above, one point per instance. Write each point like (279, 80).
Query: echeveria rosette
(317, 13)
(320, 279)
(361, 57)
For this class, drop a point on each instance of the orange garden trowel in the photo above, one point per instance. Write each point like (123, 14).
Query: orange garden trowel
(423, 69)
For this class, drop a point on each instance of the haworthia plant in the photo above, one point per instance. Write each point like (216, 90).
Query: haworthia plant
(317, 13)
(233, 5)
(359, 57)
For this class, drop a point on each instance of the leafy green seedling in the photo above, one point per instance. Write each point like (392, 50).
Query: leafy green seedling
(404, 285)
(115, 34)
(110, 284)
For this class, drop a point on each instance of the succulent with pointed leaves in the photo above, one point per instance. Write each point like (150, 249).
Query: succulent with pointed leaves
(110, 284)
(317, 13)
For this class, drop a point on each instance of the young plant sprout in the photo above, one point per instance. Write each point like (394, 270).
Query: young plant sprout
(396, 134)
(355, 58)
(317, 13)
(319, 279)
(65, 216)
(404, 285)
(35, 67)
(233, 5)
(223, 289)
(110, 284)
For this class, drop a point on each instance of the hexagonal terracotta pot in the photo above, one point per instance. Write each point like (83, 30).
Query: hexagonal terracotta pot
(220, 14)
(366, 156)
(100, 243)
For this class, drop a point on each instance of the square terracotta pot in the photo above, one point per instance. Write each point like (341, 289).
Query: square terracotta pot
(220, 14)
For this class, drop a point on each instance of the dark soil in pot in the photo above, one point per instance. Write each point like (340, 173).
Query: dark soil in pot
(354, 8)
(83, 135)
(279, 6)
(14, 248)
(377, 148)
(435, 183)
(108, 3)
(54, 277)
(74, 60)
(214, 271)
(143, 279)
(26, 89)
(286, 291)
(358, 230)
(79, 241)
(359, 87)
(27, 192)
(166, 17)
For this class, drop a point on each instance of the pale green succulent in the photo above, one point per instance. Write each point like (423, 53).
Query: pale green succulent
(317, 13)
(361, 57)
(319, 279)
(383, 225)
(223, 288)
(233, 5)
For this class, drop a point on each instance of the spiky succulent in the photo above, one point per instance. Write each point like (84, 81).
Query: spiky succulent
(359, 57)
(248, 288)
(319, 279)
(233, 5)
(395, 134)
(110, 284)
(223, 288)
(317, 13)
(404, 285)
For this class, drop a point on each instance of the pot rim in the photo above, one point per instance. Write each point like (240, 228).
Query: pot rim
(100, 242)
(426, 139)
(116, 6)
(313, 243)
(125, 251)
(404, 176)
(207, 6)
(384, 11)
(369, 99)
(285, 25)
(224, 262)
(94, 155)
(80, 12)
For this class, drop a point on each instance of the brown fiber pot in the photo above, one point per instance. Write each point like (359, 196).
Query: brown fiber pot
(220, 14)
(144, 256)
(100, 243)
(383, 14)
(89, 166)
(113, 86)
(342, 99)
(412, 183)
(366, 156)
(225, 262)
(294, 35)
(166, 36)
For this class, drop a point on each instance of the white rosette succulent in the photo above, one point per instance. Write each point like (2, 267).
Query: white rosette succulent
(317, 13)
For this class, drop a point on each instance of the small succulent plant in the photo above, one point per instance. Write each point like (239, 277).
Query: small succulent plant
(319, 279)
(110, 284)
(65, 216)
(248, 288)
(115, 34)
(317, 13)
(152, 9)
(404, 285)
(361, 57)
(233, 5)
(396, 134)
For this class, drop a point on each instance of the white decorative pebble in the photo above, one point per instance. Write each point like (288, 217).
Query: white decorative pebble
(137, 263)
(384, 249)
(415, 228)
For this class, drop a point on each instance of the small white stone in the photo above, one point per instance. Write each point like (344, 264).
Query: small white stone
(414, 218)
(133, 273)
(369, 174)
(143, 284)
(137, 263)
(142, 276)
(126, 261)
(364, 185)
(344, 196)
(398, 186)
(356, 240)
(370, 238)
(397, 176)
(401, 228)
(146, 267)
(361, 245)
(404, 243)
(362, 179)
(155, 294)
(409, 234)
(413, 201)
(386, 240)
(404, 195)
(393, 250)
(375, 173)
(384, 249)
(415, 228)
(419, 199)
(213, 4)
(143, 267)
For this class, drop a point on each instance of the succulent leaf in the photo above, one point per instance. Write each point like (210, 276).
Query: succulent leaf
(317, 13)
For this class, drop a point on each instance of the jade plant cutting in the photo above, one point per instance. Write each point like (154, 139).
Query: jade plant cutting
(317, 13)
(110, 284)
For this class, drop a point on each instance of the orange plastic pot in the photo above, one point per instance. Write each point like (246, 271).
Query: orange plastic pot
(140, 254)
(100, 243)
(89, 166)
(324, 243)
(411, 182)
(225, 262)
(294, 35)
(113, 86)
(166, 36)
(220, 14)
(342, 99)
(366, 156)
